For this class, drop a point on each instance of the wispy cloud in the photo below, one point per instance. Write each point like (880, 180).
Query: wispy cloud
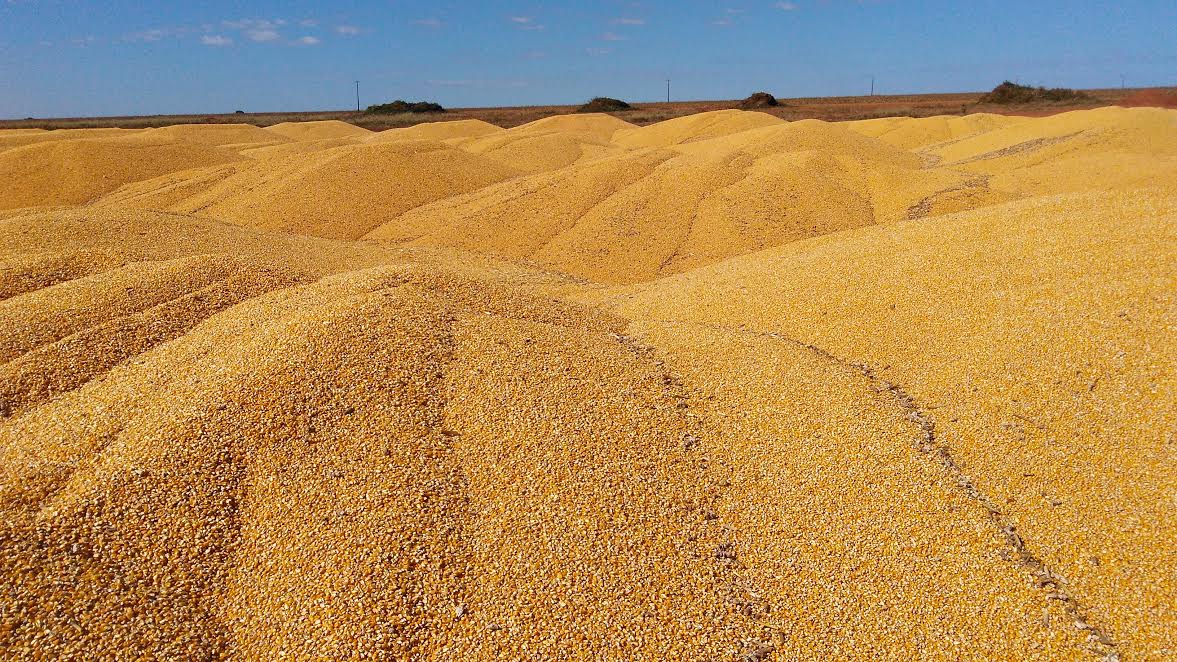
(629, 21)
(156, 34)
(526, 23)
(787, 6)
(433, 23)
(598, 52)
(263, 35)
(308, 41)
(257, 29)
(347, 30)
(215, 40)
(612, 36)
(309, 23)
(729, 17)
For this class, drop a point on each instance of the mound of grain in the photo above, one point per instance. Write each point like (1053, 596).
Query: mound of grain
(1146, 130)
(22, 137)
(701, 126)
(802, 136)
(537, 150)
(641, 215)
(598, 125)
(814, 430)
(914, 133)
(218, 134)
(70, 172)
(346, 192)
(311, 469)
(169, 192)
(318, 130)
(1054, 399)
(300, 147)
(440, 131)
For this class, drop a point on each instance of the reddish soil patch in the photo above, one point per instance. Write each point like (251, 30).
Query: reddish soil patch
(1154, 98)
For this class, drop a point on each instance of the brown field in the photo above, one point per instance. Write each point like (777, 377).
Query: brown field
(830, 109)
(718, 387)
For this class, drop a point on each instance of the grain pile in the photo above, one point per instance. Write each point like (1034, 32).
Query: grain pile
(320, 130)
(723, 387)
(72, 172)
(442, 131)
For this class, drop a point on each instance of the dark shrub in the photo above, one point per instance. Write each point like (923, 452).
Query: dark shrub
(760, 100)
(1011, 93)
(604, 105)
(401, 106)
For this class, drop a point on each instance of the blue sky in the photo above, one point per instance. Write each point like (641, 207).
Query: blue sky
(60, 58)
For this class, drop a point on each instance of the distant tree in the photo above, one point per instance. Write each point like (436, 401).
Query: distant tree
(760, 100)
(401, 106)
(1012, 93)
(604, 105)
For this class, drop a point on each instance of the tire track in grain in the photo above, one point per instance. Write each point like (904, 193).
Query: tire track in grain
(1099, 641)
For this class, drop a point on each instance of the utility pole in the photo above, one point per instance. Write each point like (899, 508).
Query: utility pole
(1121, 81)
(872, 86)
(667, 90)
(357, 96)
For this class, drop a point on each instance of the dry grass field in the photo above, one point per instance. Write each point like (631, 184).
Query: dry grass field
(830, 109)
(671, 384)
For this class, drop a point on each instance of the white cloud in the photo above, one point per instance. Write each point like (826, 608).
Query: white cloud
(262, 35)
(215, 40)
(612, 36)
(428, 23)
(786, 6)
(349, 30)
(722, 22)
(156, 34)
(308, 41)
(597, 52)
(257, 29)
(526, 23)
(629, 21)
(309, 23)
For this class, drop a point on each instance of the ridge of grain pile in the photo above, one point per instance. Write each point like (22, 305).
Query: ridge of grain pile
(71, 172)
(344, 192)
(551, 143)
(218, 134)
(318, 130)
(301, 147)
(24, 137)
(690, 128)
(1057, 400)
(805, 390)
(648, 213)
(919, 132)
(440, 131)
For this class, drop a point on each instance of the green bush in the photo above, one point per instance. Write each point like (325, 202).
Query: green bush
(1012, 93)
(604, 105)
(401, 106)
